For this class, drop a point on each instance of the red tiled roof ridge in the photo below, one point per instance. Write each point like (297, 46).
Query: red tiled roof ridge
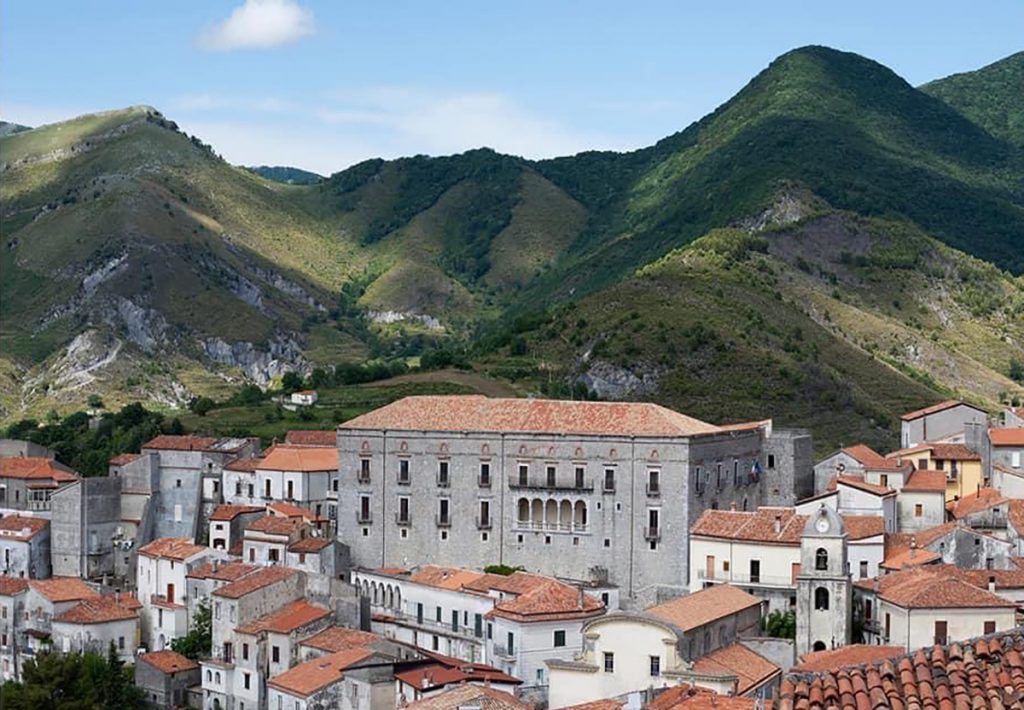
(481, 413)
(285, 619)
(180, 442)
(702, 607)
(1006, 436)
(259, 579)
(172, 548)
(35, 467)
(939, 407)
(168, 661)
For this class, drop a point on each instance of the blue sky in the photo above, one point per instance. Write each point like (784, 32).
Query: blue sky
(322, 85)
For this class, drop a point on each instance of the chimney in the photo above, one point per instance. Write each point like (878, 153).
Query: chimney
(579, 597)
(215, 564)
(913, 547)
(778, 523)
(732, 506)
(992, 584)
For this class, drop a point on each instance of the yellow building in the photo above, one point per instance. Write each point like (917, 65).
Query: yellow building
(961, 465)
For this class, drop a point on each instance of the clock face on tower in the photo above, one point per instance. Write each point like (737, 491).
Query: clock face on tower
(821, 525)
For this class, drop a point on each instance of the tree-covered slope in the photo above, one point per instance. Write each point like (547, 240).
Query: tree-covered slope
(287, 175)
(992, 97)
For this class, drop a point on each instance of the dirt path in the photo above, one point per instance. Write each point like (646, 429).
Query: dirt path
(481, 383)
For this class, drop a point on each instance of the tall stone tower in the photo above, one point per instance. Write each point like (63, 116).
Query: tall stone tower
(824, 593)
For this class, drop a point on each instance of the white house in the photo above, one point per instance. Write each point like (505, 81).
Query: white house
(94, 624)
(162, 569)
(335, 681)
(759, 551)
(25, 546)
(933, 604)
(922, 501)
(305, 398)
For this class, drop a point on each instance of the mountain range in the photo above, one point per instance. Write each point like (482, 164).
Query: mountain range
(830, 247)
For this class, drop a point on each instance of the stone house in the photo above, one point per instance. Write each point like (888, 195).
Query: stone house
(929, 605)
(96, 623)
(27, 483)
(759, 551)
(435, 674)
(47, 599)
(577, 489)
(921, 501)
(661, 647)
(86, 528)
(25, 546)
(1012, 417)
(227, 522)
(961, 465)
(318, 555)
(13, 643)
(203, 579)
(304, 398)
(943, 421)
(848, 461)
(299, 475)
(340, 638)
(353, 679)
(266, 540)
(951, 543)
(985, 511)
(165, 677)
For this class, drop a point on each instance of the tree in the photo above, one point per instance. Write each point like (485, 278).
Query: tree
(94, 401)
(1016, 371)
(781, 625)
(74, 681)
(201, 405)
(291, 382)
(199, 640)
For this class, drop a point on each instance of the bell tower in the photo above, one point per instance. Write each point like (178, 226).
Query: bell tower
(824, 591)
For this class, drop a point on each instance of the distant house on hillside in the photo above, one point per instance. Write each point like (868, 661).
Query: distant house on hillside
(940, 422)
(305, 398)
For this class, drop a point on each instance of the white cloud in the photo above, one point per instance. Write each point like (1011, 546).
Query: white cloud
(259, 24)
(204, 102)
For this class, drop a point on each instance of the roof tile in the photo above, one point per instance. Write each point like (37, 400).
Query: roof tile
(314, 675)
(700, 608)
(169, 662)
(261, 578)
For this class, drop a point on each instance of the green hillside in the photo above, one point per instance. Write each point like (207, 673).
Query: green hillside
(830, 247)
(992, 97)
(287, 175)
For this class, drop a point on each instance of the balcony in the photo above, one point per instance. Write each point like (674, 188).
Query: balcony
(443, 521)
(363, 478)
(652, 534)
(404, 480)
(444, 481)
(755, 580)
(364, 517)
(483, 481)
(404, 520)
(653, 490)
(552, 527)
(503, 651)
(484, 523)
(530, 486)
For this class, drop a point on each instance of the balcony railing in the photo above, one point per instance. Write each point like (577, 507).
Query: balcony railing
(503, 651)
(761, 580)
(652, 533)
(653, 490)
(403, 520)
(362, 477)
(530, 485)
(552, 527)
(444, 481)
(443, 521)
(364, 518)
(483, 481)
(484, 523)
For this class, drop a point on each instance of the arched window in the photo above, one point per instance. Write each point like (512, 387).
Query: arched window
(524, 510)
(821, 559)
(819, 646)
(821, 598)
(209, 676)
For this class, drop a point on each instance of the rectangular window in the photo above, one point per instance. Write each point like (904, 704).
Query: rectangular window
(940, 465)
(990, 627)
(609, 479)
(718, 475)
(771, 460)
(485, 475)
(439, 615)
(238, 488)
(655, 666)
(1015, 459)
(922, 463)
(755, 571)
(478, 625)
(524, 474)
(559, 639)
(918, 510)
(863, 569)
(511, 638)
(698, 479)
(120, 642)
(883, 480)
(455, 620)
(419, 613)
(941, 632)
(490, 631)
(245, 680)
(245, 652)
(403, 510)
(403, 471)
(275, 654)
(443, 516)
(550, 478)
(291, 490)
(735, 472)
(485, 514)
(364, 470)
(609, 662)
(364, 509)
(580, 473)
(653, 482)
(867, 610)
(442, 474)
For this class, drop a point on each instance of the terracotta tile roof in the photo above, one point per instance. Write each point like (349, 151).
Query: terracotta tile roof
(452, 578)
(935, 408)
(932, 587)
(314, 675)
(518, 582)
(479, 413)
(979, 675)
(186, 442)
(909, 557)
(309, 544)
(98, 610)
(860, 484)
(63, 589)
(857, 654)
(263, 577)
(226, 571)
(954, 452)
(35, 468)
(289, 510)
(867, 456)
(1015, 514)
(751, 669)
(1001, 578)
(1013, 436)
(973, 503)
(301, 458)
(550, 600)
(287, 619)
(244, 464)
(700, 608)
(452, 671)
(9, 586)
(169, 662)
(470, 696)
(122, 459)
(760, 525)
(925, 480)
(603, 704)
(688, 697)
(172, 548)
(274, 525)
(311, 437)
(338, 638)
(19, 527)
(228, 511)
